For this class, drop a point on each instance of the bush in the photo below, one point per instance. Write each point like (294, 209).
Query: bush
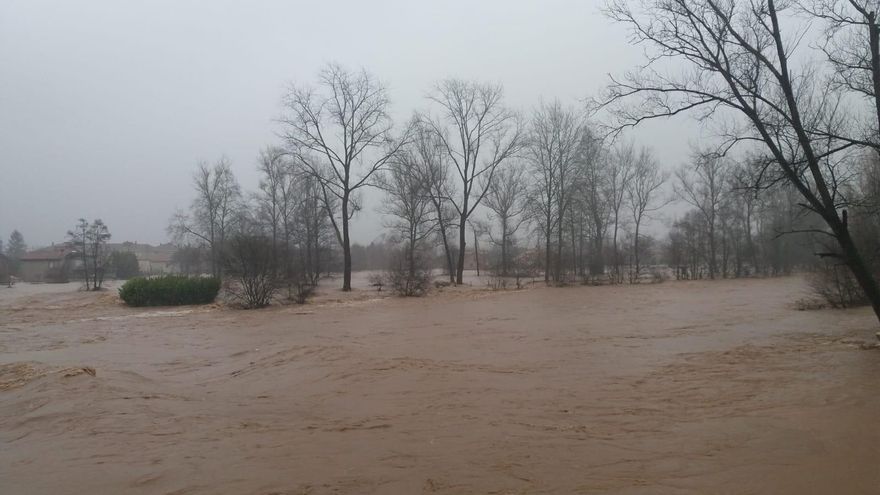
(836, 285)
(409, 276)
(252, 268)
(169, 290)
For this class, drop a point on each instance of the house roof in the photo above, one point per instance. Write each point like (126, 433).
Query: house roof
(51, 253)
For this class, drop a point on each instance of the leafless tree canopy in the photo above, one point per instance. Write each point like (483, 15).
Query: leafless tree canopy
(478, 135)
(213, 212)
(743, 73)
(341, 135)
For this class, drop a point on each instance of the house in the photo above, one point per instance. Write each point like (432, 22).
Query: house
(49, 264)
(152, 260)
(156, 262)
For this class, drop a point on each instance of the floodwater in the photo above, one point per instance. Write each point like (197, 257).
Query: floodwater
(677, 388)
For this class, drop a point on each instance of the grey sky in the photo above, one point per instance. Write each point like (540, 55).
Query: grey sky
(107, 106)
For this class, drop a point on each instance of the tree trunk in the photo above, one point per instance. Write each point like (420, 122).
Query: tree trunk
(636, 259)
(617, 278)
(448, 253)
(874, 39)
(547, 255)
(504, 248)
(462, 243)
(856, 264)
(712, 250)
(477, 252)
(558, 273)
(346, 247)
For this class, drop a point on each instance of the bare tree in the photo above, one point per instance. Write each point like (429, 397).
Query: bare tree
(251, 265)
(478, 135)
(592, 186)
(507, 202)
(213, 211)
(311, 226)
(742, 63)
(78, 239)
(433, 166)
(408, 202)
(554, 138)
(619, 174)
(91, 242)
(342, 137)
(641, 194)
(852, 48)
(274, 198)
(703, 186)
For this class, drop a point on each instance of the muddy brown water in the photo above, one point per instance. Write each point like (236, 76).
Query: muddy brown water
(680, 388)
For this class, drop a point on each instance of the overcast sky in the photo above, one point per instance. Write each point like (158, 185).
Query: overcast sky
(107, 106)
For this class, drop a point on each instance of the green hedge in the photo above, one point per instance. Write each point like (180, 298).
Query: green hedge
(169, 290)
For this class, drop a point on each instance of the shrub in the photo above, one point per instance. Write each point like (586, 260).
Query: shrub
(409, 274)
(835, 285)
(169, 290)
(252, 267)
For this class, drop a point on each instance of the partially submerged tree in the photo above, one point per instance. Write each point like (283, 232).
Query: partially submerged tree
(641, 194)
(90, 242)
(341, 136)
(703, 185)
(250, 264)
(408, 202)
(554, 136)
(478, 135)
(619, 171)
(433, 166)
(275, 200)
(741, 63)
(593, 196)
(507, 200)
(213, 211)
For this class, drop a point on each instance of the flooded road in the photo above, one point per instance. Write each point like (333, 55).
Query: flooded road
(676, 388)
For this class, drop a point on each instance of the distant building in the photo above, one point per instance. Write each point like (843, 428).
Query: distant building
(49, 264)
(152, 260)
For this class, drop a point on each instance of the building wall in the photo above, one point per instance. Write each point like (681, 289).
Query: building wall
(34, 270)
(148, 267)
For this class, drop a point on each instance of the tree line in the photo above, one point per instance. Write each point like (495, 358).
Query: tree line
(793, 156)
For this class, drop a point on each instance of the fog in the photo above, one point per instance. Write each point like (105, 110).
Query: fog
(106, 107)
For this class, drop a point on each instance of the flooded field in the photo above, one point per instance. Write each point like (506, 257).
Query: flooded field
(677, 388)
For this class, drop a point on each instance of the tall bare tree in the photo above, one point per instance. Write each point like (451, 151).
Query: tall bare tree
(433, 165)
(213, 211)
(641, 195)
(593, 197)
(341, 134)
(555, 134)
(274, 198)
(408, 202)
(742, 64)
(619, 171)
(312, 230)
(703, 185)
(479, 135)
(507, 202)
